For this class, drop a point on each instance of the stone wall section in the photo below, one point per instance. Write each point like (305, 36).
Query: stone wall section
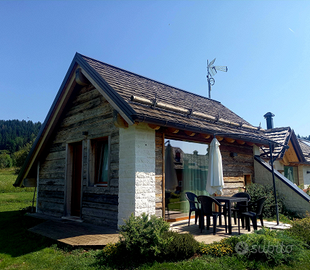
(136, 171)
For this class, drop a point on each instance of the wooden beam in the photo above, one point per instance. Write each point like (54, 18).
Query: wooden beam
(240, 142)
(249, 143)
(189, 133)
(152, 126)
(229, 140)
(119, 121)
(219, 138)
(173, 130)
(205, 136)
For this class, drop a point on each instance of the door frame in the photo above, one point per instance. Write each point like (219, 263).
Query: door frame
(68, 178)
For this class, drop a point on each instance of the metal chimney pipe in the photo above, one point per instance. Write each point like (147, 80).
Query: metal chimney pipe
(269, 119)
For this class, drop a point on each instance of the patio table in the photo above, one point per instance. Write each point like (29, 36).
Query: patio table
(228, 201)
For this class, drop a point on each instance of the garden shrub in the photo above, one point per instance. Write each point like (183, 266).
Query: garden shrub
(142, 236)
(258, 191)
(218, 249)
(180, 246)
(301, 229)
(273, 247)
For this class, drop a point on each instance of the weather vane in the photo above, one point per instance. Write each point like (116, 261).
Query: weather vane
(212, 70)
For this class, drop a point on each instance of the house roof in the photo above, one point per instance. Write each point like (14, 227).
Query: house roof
(165, 105)
(139, 99)
(305, 148)
(286, 142)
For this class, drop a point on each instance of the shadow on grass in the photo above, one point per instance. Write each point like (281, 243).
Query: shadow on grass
(15, 239)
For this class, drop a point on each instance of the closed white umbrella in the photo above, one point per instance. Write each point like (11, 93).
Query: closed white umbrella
(215, 182)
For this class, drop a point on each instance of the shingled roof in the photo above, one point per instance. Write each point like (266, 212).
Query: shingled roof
(139, 99)
(305, 148)
(165, 105)
(282, 136)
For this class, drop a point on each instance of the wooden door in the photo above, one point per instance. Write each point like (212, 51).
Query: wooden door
(76, 179)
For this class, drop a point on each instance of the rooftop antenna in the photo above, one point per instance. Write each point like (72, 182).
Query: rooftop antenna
(212, 70)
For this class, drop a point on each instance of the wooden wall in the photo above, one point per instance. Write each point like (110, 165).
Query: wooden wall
(88, 111)
(236, 167)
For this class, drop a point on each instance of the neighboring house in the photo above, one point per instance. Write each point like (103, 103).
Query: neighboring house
(99, 155)
(305, 148)
(290, 158)
(291, 166)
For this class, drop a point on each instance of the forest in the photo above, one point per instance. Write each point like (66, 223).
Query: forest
(16, 139)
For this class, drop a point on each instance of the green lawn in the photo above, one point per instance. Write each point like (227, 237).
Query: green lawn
(7, 179)
(21, 249)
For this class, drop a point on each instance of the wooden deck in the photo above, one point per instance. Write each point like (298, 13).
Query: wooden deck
(76, 234)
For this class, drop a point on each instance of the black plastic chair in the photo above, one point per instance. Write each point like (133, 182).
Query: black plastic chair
(193, 205)
(253, 215)
(240, 206)
(207, 204)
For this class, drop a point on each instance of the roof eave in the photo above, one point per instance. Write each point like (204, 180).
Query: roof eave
(164, 123)
(106, 90)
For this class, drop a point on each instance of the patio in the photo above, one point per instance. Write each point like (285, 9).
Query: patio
(207, 236)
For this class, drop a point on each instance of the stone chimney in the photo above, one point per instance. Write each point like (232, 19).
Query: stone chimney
(269, 120)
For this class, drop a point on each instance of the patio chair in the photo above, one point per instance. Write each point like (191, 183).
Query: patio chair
(253, 215)
(240, 206)
(193, 206)
(207, 204)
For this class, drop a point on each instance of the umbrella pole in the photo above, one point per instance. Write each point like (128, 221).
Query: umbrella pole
(274, 183)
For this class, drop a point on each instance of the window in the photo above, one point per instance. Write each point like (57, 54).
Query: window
(99, 162)
(291, 173)
(186, 170)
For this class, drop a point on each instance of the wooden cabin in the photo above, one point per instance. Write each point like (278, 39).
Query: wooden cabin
(100, 154)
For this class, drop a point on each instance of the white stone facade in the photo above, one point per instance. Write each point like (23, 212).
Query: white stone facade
(136, 171)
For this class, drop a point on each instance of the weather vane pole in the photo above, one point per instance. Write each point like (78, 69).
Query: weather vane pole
(211, 71)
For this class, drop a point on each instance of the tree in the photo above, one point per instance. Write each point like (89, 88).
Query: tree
(15, 134)
(20, 156)
(5, 161)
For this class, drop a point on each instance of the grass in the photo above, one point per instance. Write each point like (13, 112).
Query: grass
(21, 249)
(7, 179)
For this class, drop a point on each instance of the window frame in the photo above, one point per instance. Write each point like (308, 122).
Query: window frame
(93, 164)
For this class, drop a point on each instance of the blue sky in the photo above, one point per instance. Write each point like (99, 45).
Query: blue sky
(265, 44)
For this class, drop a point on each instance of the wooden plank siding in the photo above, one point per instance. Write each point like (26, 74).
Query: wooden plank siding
(88, 112)
(236, 167)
